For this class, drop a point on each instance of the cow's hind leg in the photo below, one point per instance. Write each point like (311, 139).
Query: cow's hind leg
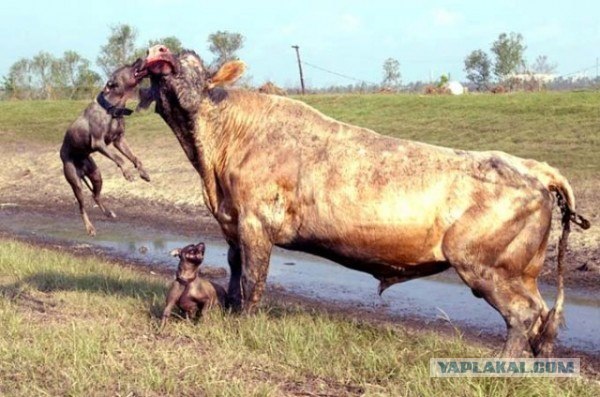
(519, 308)
(521, 312)
(496, 259)
(541, 336)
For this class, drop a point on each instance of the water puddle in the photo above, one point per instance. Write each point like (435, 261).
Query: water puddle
(316, 278)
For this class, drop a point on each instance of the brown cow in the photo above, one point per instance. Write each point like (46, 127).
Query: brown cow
(277, 172)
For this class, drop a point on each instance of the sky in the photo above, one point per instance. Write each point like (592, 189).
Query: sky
(352, 38)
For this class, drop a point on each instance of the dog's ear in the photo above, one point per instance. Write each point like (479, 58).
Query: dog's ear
(138, 63)
(175, 252)
(200, 247)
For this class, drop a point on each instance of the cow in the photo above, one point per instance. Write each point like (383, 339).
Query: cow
(276, 172)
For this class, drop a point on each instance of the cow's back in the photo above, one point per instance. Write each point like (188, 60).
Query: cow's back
(321, 182)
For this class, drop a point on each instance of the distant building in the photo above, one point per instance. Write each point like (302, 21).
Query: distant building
(532, 77)
(528, 81)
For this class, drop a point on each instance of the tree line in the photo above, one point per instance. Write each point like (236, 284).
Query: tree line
(483, 71)
(70, 76)
(508, 60)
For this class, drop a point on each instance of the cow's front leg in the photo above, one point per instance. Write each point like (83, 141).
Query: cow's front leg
(234, 292)
(255, 247)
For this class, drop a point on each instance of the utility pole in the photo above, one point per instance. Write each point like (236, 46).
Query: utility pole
(299, 66)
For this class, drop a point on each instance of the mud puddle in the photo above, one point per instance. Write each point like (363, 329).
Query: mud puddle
(430, 299)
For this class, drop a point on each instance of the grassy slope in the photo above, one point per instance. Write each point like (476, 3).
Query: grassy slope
(560, 128)
(73, 326)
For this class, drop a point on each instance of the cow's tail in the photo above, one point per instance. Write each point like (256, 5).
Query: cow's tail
(554, 181)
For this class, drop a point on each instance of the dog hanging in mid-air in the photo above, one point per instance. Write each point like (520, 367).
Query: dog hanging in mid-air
(101, 124)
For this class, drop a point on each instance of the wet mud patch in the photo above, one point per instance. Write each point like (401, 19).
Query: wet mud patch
(434, 300)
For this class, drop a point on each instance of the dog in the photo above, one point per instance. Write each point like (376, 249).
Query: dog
(101, 124)
(191, 293)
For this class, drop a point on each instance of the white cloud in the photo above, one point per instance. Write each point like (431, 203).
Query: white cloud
(350, 23)
(446, 18)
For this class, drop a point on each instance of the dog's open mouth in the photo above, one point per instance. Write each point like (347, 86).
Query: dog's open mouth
(140, 73)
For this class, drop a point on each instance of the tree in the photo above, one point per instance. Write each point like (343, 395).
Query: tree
(172, 42)
(76, 75)
(477, 66)
(391, 73)
(543, 66)
(508, 50)
(119, 50)
(41, 68)
(88, 82)
(224, 46)
(18, 81)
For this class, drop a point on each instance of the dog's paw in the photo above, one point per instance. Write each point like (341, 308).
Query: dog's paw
(128, 175)
(144, 175)
(91, 230)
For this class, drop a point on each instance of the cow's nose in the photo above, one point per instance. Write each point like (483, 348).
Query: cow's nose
(162, 48)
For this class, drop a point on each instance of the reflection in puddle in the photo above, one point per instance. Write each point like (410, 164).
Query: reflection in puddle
(317, 278)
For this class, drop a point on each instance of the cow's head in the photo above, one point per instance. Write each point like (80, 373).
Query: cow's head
(187, 67)
(190, 259)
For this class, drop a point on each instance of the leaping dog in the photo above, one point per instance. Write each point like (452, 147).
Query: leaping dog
(102, 123)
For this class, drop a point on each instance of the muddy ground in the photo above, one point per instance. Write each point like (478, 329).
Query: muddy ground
(31, 180)
(31, 177)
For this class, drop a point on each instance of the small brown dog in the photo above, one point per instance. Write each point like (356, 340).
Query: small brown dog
(190, 292)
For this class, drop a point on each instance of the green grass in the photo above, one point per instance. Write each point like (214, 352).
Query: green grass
(560, 128)
(82, 326)
(47, 121)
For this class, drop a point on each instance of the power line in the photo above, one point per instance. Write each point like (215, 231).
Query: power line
(338, 74)
(578, 71)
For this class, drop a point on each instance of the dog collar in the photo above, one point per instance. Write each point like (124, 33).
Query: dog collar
(113, 110)
(185, 282)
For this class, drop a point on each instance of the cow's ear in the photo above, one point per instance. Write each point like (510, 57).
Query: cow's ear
(227, 74)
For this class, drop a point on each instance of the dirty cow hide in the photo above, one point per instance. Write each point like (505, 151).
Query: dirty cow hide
(277, 172)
